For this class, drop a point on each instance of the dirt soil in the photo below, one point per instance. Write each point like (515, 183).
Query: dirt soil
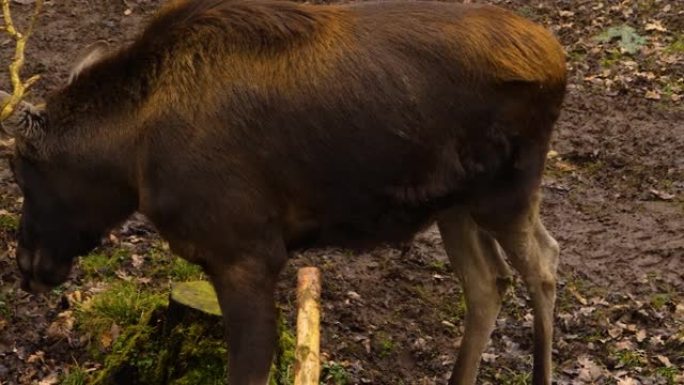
(613, 197)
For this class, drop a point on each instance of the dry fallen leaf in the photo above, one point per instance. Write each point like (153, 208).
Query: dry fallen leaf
(137, 260)
(74, 298)
(589, 371)
(679, 311)
(628, 381)
(624, 345)
(641, 335)
(665, 361)
(652, 95)
(488, 357)
(52, 379)
(62, 326)
(615, 332)
(37, 356)
(106, 339)
(655, 26)
(662, 195)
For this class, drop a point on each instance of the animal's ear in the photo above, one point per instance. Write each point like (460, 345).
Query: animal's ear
(26, 122)
(90, 55)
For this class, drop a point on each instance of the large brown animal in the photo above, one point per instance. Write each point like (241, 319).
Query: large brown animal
(248, 129)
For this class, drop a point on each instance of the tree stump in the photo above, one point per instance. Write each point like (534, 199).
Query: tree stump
(193, 318)
(189, 301)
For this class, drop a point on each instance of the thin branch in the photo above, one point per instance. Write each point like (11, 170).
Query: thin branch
(19, 87)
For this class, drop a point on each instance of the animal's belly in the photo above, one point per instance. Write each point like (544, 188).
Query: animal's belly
(364, 229)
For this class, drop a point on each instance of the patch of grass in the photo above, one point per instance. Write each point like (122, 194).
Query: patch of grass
(334, 374)
(75, 376)
(455, 308)
(102, 264)
(510, 377)
(577, 55)
(613, 57)
(9, 222)
(385, 345)
(182, 270)
(677, 46)
(4, 306)
(449, 308)
(593, 167)
(167, 265)
(658, 301)
(440, 266)
(669, 374)
(122, 303)
(630, 359)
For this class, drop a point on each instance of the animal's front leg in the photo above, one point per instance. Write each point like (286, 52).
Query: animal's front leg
(246, 294)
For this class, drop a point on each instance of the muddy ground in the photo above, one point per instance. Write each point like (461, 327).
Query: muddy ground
(613, 197)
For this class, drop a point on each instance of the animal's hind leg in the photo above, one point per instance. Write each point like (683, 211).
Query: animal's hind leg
(534, 253)
(484, 274)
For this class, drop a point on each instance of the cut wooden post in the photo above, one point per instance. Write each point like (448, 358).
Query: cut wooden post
(307, 365)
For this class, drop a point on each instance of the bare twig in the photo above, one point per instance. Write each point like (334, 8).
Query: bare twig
(19, 87)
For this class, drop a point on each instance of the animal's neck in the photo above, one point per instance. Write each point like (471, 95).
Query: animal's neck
(95, 117)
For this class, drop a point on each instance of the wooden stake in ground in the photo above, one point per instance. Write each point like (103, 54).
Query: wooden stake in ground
(307, 366)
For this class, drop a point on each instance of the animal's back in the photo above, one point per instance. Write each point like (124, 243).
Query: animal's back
(357, 121)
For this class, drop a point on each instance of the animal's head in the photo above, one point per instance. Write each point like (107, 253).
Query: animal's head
(72, 197)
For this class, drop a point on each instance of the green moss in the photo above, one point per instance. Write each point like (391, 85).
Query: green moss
(630, 359)
(385, 345)
(658, 301)
(455, 308)
(101, 264)
(182, 270)
(577, 55)
(677, 46)
(613, 57)
(167, 265)
(201, 359)
(440, 266)
(75, 376)
(9, 222)
(123, 303)
(669, 374)
(335, 374)
(188, 354)
(282, 372)
(4, 306)
(449, 308)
